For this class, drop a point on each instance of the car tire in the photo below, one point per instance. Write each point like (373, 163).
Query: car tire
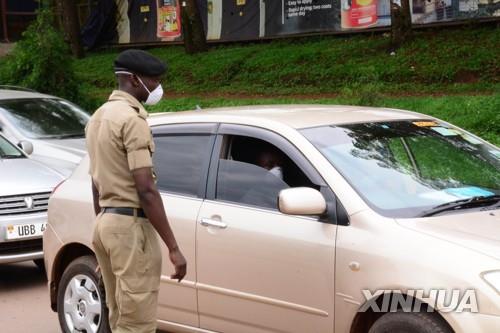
(410, 322)
(81, 302)
(40, 264)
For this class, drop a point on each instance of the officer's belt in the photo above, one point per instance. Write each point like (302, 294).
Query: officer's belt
(125, 211)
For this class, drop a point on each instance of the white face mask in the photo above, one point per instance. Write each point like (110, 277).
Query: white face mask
(153, 96)
(277, 171)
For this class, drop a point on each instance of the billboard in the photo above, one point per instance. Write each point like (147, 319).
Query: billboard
(430, 11)
(153, 21)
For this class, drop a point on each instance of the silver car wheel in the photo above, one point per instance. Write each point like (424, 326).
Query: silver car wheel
(82, 305)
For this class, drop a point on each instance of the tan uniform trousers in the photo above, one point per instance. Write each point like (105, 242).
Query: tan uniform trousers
(129, 255)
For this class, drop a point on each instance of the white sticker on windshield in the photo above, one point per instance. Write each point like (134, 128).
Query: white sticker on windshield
(468, 192)
(445, 131)
(471, 139)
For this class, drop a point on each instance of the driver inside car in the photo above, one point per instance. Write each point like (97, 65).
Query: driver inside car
(271, 160)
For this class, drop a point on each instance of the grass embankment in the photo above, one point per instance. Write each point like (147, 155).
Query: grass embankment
(453, 74)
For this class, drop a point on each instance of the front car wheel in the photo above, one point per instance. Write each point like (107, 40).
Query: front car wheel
(410, 322)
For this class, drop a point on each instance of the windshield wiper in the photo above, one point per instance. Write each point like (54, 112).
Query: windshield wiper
(461, 204)
(11, 156)
(65, 136)
(71, 136)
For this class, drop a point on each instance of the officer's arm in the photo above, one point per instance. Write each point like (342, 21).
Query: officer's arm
(137, 142)
(152, 205)
(95, 197)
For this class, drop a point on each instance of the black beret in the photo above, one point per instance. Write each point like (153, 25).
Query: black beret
(140, 62)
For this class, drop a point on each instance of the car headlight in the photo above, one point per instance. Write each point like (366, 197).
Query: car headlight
(493, 279)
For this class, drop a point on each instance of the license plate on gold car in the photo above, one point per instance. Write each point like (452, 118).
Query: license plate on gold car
(19, 231)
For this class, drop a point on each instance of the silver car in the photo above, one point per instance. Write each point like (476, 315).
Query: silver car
(49, 127)
(24, 195)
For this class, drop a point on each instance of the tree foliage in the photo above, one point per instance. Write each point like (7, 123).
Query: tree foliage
(42, 61)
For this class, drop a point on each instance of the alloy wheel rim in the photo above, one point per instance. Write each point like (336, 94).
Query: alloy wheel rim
(82, 305)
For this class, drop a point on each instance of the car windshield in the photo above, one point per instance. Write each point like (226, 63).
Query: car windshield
(8, 150)
(45, 118)
(403, 168)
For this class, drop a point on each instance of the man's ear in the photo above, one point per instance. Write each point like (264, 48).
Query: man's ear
(135, 80)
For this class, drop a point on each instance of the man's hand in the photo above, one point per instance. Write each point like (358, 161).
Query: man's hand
(180, 264)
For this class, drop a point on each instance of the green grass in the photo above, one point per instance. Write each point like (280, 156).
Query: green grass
(453, 74)
(460, 60)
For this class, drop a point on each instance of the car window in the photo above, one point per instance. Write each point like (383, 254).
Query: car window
(404, 168)
(45, 118)
(7, 150)
(434, 157)
(180, 162)
(253, 172)
(248, 184)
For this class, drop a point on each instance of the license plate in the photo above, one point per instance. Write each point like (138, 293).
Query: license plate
(18, 231)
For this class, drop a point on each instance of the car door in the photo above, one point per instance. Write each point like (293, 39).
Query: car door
(260, 270)
(181, 159)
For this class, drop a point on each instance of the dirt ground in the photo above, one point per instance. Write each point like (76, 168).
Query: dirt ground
(5, 48)
(24, 300)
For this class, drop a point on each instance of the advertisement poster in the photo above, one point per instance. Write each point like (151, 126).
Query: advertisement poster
(169, 20)
(359, 14)
(253, 19)
(142, 15)
(362, 14)
(240, 19)
(285, 17)
(149, 21)
(431, 11)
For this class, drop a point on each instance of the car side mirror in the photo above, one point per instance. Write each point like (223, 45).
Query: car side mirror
(26, 146)
(301, 201)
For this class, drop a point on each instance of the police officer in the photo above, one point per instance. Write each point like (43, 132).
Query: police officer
(126, 201)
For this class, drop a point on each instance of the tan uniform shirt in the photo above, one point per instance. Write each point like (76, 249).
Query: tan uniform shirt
(119, 141)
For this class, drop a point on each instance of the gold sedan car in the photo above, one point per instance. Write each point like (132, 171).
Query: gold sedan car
(305, 218)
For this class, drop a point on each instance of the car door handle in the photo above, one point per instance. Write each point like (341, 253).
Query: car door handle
(213, 223)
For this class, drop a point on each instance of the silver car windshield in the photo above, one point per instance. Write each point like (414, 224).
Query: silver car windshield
(404, 168)
(8, 150)
(45, 118)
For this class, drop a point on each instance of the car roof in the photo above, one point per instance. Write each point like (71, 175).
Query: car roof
(6, 94)
(296, 115)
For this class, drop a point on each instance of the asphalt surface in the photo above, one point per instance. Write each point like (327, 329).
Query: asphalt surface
(24, 300)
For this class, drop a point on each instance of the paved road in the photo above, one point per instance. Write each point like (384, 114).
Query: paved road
(24, 300)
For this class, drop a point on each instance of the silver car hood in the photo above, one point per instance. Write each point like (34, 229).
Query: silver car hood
(478, 231)
(62, 155)
(24, 176)
(71, 146)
